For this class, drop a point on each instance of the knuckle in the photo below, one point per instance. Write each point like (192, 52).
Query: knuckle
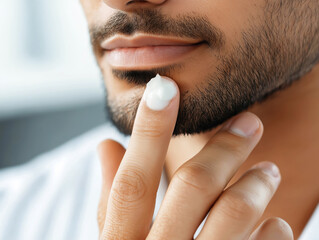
(239, 205)
(230, 145)
(265, 180)
(115, 232)
(198, 177)
(149, 128)
(129, 188)
(278, 227)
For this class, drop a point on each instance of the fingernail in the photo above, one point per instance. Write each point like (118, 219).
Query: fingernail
(159, 92)
(245, 125)
(269, 168)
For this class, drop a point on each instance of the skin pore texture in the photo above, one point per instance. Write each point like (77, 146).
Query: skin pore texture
(259, 55)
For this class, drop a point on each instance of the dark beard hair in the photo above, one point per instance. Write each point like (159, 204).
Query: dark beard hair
(269, 57)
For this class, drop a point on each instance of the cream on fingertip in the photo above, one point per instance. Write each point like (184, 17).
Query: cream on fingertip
(159, 92)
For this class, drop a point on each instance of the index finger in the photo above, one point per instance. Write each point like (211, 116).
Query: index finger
(132, 198)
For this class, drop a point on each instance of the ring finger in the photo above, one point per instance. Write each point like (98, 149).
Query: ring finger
(273, 228)
(240, 207)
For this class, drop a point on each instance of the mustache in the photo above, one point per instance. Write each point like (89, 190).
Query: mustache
(152, 21)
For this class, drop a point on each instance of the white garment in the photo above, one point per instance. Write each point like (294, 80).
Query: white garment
(311, 231)
(55, 196)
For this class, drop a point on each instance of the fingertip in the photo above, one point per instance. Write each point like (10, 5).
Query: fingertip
(110, 154)
(273, 228)
(245, 124)
(285, 228)
(260, 130)
(157, 113)
(109, 146)
(269, 168)
(160, 92)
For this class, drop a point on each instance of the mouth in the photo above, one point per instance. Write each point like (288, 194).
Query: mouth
(142, 51)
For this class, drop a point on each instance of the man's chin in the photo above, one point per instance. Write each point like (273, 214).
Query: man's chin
(122, 115)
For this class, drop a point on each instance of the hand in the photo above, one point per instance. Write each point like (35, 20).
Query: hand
(131, 179)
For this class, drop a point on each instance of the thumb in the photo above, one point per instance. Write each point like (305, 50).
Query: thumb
(111, 154)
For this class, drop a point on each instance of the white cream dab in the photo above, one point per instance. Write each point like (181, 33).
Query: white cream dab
(159, 92)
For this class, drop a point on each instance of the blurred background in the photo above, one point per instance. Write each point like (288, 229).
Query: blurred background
(50, 87)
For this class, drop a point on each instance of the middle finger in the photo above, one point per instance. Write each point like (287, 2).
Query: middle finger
(197, 184)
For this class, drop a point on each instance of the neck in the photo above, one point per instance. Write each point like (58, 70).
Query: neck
(291, 140)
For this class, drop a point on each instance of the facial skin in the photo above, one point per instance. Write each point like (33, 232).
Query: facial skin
(249, 50)
(266, 45)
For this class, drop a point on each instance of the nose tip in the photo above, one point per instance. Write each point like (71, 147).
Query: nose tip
(127, 5)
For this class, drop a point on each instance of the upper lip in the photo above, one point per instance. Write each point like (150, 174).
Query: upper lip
(142, 40)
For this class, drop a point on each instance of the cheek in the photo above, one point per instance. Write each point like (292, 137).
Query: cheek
(89, 6)
(234, 17)
(96, 11)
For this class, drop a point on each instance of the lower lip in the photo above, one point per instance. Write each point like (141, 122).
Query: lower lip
(147, 57)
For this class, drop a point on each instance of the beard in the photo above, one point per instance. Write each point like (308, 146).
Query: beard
(268, 57)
